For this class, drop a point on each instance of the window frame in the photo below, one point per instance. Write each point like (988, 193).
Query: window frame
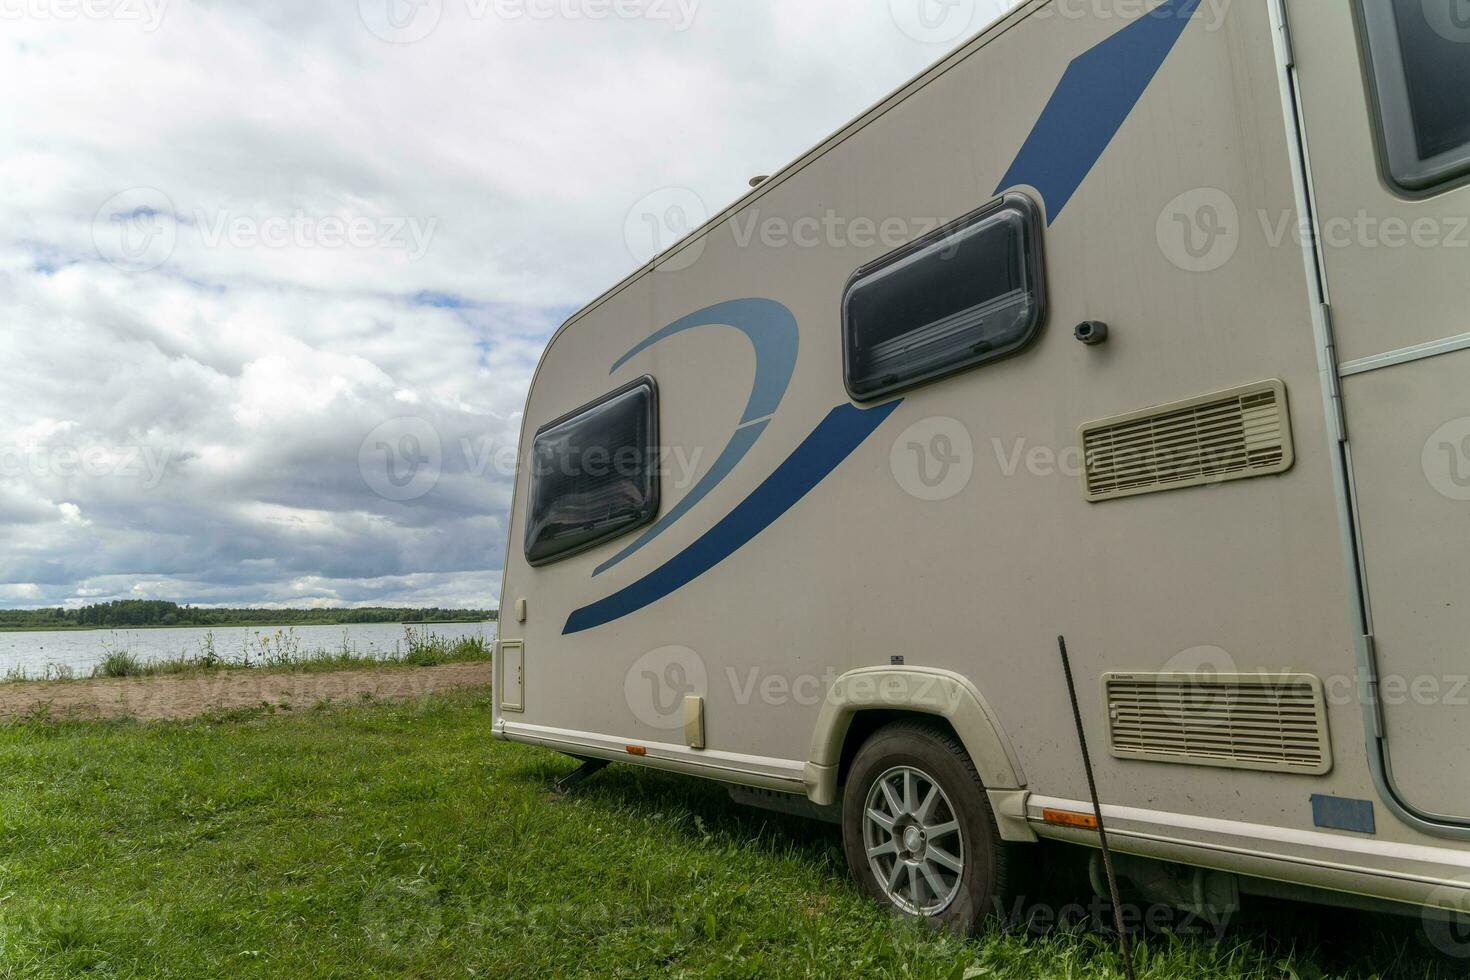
(650, 511)
(1392, 109)
(1034, 257)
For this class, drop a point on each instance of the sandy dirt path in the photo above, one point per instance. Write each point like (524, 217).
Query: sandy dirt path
(153, 698)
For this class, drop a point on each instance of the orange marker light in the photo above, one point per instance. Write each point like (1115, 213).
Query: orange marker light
(1067, 818)
(636, 750)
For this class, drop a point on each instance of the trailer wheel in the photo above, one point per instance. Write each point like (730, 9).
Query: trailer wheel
(918, 830)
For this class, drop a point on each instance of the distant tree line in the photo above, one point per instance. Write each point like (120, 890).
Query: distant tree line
(154, 612)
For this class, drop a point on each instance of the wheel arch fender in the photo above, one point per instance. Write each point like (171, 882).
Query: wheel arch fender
(912, 690)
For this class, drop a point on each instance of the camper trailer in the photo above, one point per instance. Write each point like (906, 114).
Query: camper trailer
(1135, 322)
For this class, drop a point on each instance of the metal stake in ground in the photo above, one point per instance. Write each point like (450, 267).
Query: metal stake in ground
(1102, 831)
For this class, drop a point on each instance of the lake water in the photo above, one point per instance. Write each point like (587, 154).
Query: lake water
(41, 655)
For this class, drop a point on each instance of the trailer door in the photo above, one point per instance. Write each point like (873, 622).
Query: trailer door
(1384, 88)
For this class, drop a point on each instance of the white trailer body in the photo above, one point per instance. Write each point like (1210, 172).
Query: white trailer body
(890, 476)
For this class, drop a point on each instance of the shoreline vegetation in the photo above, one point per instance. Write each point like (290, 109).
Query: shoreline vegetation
(278, 652)
(157, 614)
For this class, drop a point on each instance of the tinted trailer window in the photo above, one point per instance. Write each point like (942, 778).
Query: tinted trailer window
(1419, 61)
(594, 474)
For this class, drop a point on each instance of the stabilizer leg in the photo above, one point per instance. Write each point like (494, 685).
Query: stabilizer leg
(578, 776)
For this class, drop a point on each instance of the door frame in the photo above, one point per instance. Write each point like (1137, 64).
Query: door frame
(1344, 486)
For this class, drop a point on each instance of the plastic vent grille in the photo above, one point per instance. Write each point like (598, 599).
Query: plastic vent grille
(1272, 723)
(1231, 435)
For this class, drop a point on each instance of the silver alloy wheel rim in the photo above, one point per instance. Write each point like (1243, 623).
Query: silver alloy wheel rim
(912, 837)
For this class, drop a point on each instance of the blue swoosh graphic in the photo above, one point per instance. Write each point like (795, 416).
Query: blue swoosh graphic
(835, 439)
(1097, 93)
(772, 331)
(734, 451)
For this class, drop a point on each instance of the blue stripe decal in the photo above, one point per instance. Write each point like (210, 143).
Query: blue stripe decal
(1097, 93)
(843, 430)
(772, 332)
(729, 458)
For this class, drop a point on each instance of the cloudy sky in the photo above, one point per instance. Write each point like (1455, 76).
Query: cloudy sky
(259, 256)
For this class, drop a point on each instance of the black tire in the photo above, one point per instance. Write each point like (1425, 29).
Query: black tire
(983, 888)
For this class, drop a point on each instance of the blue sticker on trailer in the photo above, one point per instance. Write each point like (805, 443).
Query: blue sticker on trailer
(771, 329)
(1094, 98)
(1096, 95)
(1339, 813)
(844, 429)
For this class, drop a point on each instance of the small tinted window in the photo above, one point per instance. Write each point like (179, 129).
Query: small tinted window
(967, 294)
(1420, 61)
(594, 474)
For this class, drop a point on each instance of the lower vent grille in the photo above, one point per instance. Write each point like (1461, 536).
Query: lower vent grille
(1269, 722)
(1231, 435)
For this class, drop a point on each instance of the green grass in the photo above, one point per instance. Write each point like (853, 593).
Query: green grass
(398, 840)
(281, 652)
(119, 663)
